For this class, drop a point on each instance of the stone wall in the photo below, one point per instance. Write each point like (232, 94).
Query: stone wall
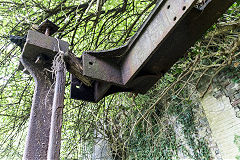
(221, 105)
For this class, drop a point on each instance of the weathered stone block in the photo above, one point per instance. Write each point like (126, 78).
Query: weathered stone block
(237, 96)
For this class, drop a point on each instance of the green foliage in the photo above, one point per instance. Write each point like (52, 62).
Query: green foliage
(237, 142)
(144, 127)
(144, 146)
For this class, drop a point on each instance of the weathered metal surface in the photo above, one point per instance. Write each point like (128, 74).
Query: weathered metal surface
(95, 93)
(172, 28)
(106, 70)
(47, 27)
(38, 44)
(54, 144)
(187, 32)
(157, 28)
(114, 53)
(81, 91)
(74, 66)
(40, 116)
(153, 35)
(38, 53)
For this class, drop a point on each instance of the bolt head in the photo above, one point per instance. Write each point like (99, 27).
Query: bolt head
(48, 24)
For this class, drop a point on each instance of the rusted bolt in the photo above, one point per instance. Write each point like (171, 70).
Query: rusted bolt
(47, 27)
(47, 32)
(38, 60)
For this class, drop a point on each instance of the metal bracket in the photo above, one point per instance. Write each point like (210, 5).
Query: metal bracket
(170, 30)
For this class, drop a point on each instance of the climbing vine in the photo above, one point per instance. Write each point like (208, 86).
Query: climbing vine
(162, 124)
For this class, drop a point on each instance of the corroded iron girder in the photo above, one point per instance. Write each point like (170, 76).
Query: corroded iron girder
(170, 30)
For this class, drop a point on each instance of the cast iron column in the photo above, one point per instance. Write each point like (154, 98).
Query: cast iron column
(44, 133)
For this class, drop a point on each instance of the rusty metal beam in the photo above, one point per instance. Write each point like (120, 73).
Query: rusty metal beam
(40, 116)
(54, 144)
(37, 58)
(141, 47)
(170, 30)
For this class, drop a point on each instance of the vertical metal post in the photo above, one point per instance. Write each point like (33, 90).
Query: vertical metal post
(47, 32)
(57, 111)
(44, 132)
(40, 117)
